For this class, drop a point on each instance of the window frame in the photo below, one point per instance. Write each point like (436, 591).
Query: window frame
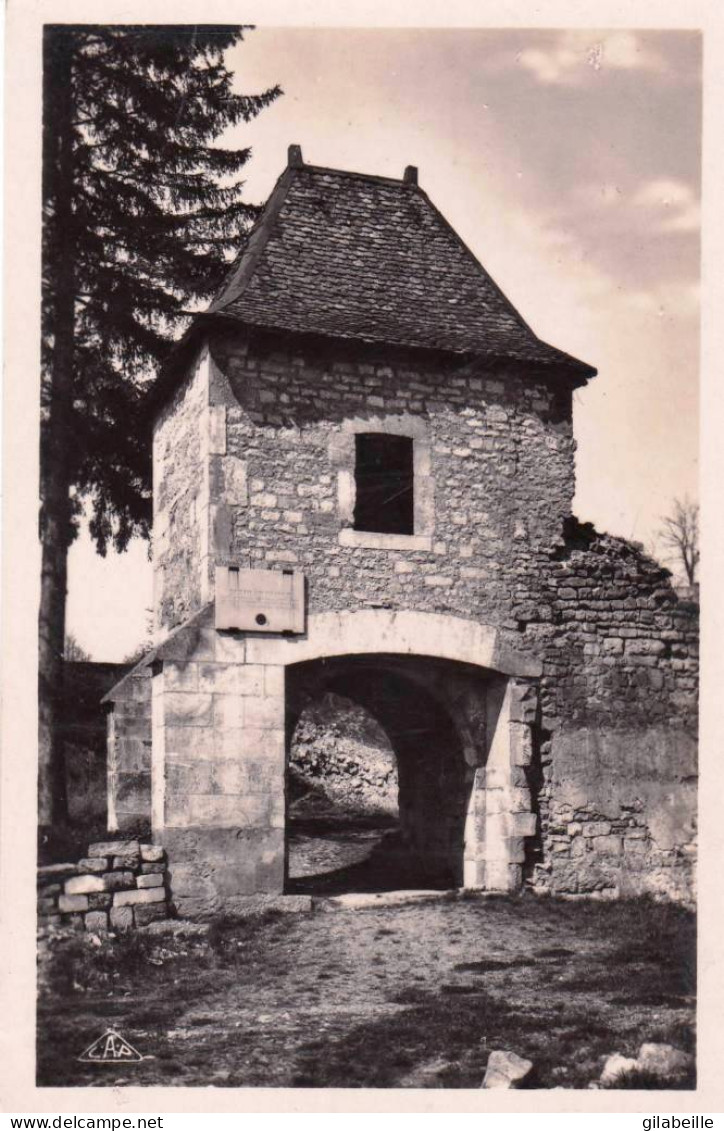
(342, 451)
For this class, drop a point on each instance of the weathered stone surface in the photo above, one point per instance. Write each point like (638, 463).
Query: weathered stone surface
(121, 918)
(99, 901)
(93, 864)
(69, 903)
(617, 1065)
(82, 885)
(506, 1070)
(664, 1060)
(45, 889)
(56, 871)
(152, 853)
(145, 914)
(117, 881)
(154, 880)
(113, 847)
(127, 862)
(129, 898)
(96, 921)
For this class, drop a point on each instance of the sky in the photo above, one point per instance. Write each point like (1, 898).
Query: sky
(569, 162)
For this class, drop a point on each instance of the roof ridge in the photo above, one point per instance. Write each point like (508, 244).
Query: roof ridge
(399, 182)
(243, 270)
(459, 239)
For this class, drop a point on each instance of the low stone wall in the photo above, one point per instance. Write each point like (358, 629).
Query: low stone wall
(120, 884)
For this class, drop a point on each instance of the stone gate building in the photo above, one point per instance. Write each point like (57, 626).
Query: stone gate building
(363, 476)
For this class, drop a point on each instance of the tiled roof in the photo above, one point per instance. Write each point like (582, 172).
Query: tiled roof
(370, 258)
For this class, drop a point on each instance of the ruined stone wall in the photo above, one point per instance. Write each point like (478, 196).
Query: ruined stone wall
(618, 718)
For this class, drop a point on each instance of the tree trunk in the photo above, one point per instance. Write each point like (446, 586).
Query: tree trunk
(55, 508)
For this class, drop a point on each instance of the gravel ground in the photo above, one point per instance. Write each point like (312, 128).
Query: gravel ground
(410, 996)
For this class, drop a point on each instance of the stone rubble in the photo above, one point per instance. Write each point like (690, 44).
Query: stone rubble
(506, 1070)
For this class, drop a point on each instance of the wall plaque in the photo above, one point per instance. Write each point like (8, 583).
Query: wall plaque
(259, 600)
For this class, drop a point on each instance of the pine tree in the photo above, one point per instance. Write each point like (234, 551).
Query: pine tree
(141, 209)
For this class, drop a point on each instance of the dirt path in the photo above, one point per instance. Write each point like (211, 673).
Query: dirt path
(408, 996)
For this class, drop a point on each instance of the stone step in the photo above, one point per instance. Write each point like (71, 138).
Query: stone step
(359, 901)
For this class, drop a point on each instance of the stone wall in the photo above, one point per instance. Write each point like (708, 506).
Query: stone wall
(129, 753)
(181, 443)
(618, 722)
(253, 467)
(498, 479)
(120, 884)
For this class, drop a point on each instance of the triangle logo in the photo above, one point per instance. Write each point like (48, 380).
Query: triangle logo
(110, 1049)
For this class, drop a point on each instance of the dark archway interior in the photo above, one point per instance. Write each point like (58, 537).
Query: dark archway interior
(423, 848)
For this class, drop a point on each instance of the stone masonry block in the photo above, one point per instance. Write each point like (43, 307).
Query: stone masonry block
(182, 742)
(69, 903)
(230, 648)
(523, 824)
(274, 680)
(118, 881)
(180, 676)
(519, 800)
(96, 921)
(234, 476)
(228, 712)
(217, 429)
(152, 853)
(523, 702)
(251, 679)
(148, 869)
(228, 810)
(131, 898)
(516, 850)
(128, 862)
(144, 914)
(246, 776)
(264, 714)
(94, 864)
(99, 900)
(121, 918)
(113, 847)
(521, 744)
(153, 880)
(188, 709)
(220, 678)
(190, 777)
(498, 876)
(474, 873)
(82, 885)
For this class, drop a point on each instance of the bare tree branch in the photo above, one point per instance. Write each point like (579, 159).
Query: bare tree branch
(680, 534)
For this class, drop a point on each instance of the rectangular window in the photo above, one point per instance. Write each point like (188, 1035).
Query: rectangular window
(384, 483)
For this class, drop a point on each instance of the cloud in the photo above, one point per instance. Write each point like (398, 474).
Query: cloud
(575, 54)
(673, 203)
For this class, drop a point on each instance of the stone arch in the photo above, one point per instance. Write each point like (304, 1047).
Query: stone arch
(403, 632)
(434, 777)
(219, 742)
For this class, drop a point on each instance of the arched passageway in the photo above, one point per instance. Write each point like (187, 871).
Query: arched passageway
(430, 711)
